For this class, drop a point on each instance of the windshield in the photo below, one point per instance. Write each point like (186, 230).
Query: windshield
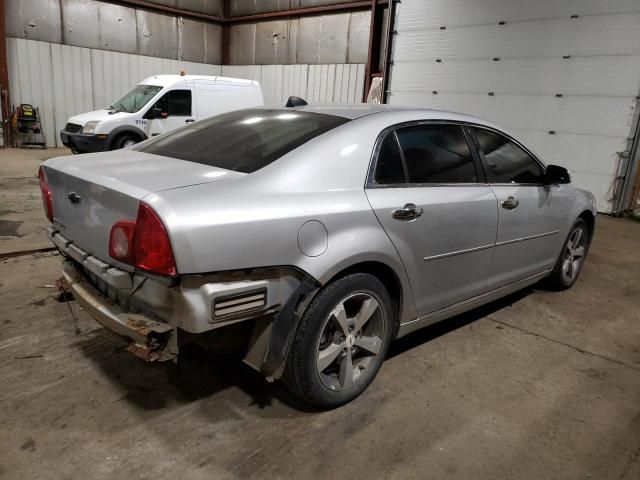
(244, 140)
(136, 98)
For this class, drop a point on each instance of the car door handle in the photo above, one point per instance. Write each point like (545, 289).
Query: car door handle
(409, 212)
(510, 203)
(189, 120)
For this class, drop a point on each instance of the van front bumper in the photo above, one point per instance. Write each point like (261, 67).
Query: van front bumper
(84, 142)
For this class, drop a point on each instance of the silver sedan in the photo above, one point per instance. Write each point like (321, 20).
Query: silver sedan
(310, 237)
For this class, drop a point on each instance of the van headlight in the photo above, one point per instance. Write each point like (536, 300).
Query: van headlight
(90, 127)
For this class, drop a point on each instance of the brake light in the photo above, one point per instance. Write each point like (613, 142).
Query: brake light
(143, 243)
(47, 198)
(151, 245)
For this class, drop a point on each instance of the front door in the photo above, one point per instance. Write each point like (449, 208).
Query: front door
(172, 110)
(428, 193)
(531, 215)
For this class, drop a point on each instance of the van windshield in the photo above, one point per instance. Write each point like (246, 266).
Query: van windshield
(135, 99)
(244, 140)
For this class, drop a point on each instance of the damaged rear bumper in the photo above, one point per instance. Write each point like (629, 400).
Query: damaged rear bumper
(150, 340)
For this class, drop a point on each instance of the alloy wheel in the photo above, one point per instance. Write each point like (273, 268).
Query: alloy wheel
(350, 342)
(574, 254)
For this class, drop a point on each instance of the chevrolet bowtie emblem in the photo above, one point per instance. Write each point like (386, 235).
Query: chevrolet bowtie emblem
(74, 198)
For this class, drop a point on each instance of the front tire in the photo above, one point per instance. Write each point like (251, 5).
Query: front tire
(569, 264)
(124, 141)
(341, 341)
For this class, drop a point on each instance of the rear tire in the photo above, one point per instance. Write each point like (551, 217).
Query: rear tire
(569, 264)
(124, 141)
(341, 341)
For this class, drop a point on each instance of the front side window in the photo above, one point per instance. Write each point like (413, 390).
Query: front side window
(175, 103)
(437, 154)
(137, 98)
(244, 140)
(506, 161)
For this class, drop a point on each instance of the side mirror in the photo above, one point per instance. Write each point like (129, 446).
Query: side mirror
(158, 113)
(556, 175)
(155, 112)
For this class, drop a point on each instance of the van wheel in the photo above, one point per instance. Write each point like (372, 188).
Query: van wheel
(124, 141)
(341, 341)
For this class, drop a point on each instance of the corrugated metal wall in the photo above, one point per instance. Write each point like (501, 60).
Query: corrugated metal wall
(106, 26)
(343, 83)
(63, 80)
(563, 66)
(334, 38)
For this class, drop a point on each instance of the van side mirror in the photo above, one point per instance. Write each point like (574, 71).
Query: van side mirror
(155, 112)
(158, 113)
(556, 175)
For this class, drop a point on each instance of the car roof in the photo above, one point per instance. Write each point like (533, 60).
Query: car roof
(358, 110)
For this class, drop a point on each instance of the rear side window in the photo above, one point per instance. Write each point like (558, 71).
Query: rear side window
(506, 161)
(389, 169)
(175, 103)
(244, 140)
(437, 154)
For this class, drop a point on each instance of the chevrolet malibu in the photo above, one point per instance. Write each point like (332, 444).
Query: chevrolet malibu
(310, 237)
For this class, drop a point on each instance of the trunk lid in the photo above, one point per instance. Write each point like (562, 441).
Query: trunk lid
(92, 192)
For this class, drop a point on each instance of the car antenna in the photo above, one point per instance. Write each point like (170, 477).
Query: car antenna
(295, 102)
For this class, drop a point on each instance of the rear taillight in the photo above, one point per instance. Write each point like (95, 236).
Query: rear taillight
(47, 198)
(121, 241)
(151, 245)
(143, 243)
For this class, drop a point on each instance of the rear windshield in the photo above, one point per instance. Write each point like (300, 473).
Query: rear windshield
(244, 140)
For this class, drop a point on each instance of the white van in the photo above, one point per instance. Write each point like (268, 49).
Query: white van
(157, 105)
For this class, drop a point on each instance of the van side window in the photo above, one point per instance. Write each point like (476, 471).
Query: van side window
(175, 103)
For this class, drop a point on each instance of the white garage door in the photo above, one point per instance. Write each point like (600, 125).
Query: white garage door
(562, 75)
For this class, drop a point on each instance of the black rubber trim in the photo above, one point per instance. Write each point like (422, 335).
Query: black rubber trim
(283, 328)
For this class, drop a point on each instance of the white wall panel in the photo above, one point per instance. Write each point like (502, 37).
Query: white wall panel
(31, 81)
(595, 75)
(586, 115)
(587, 99)
(451, 13)
(584, 36)
(330, 83)
(251, 72)
(63, 80)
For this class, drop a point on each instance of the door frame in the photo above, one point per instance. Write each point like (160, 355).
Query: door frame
(467, 127)
(370, 178)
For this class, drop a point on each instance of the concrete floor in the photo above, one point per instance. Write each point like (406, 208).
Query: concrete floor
(538, 385)
(22, 218)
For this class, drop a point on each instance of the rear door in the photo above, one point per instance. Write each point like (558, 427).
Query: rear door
(532, 216)
(428, 191)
